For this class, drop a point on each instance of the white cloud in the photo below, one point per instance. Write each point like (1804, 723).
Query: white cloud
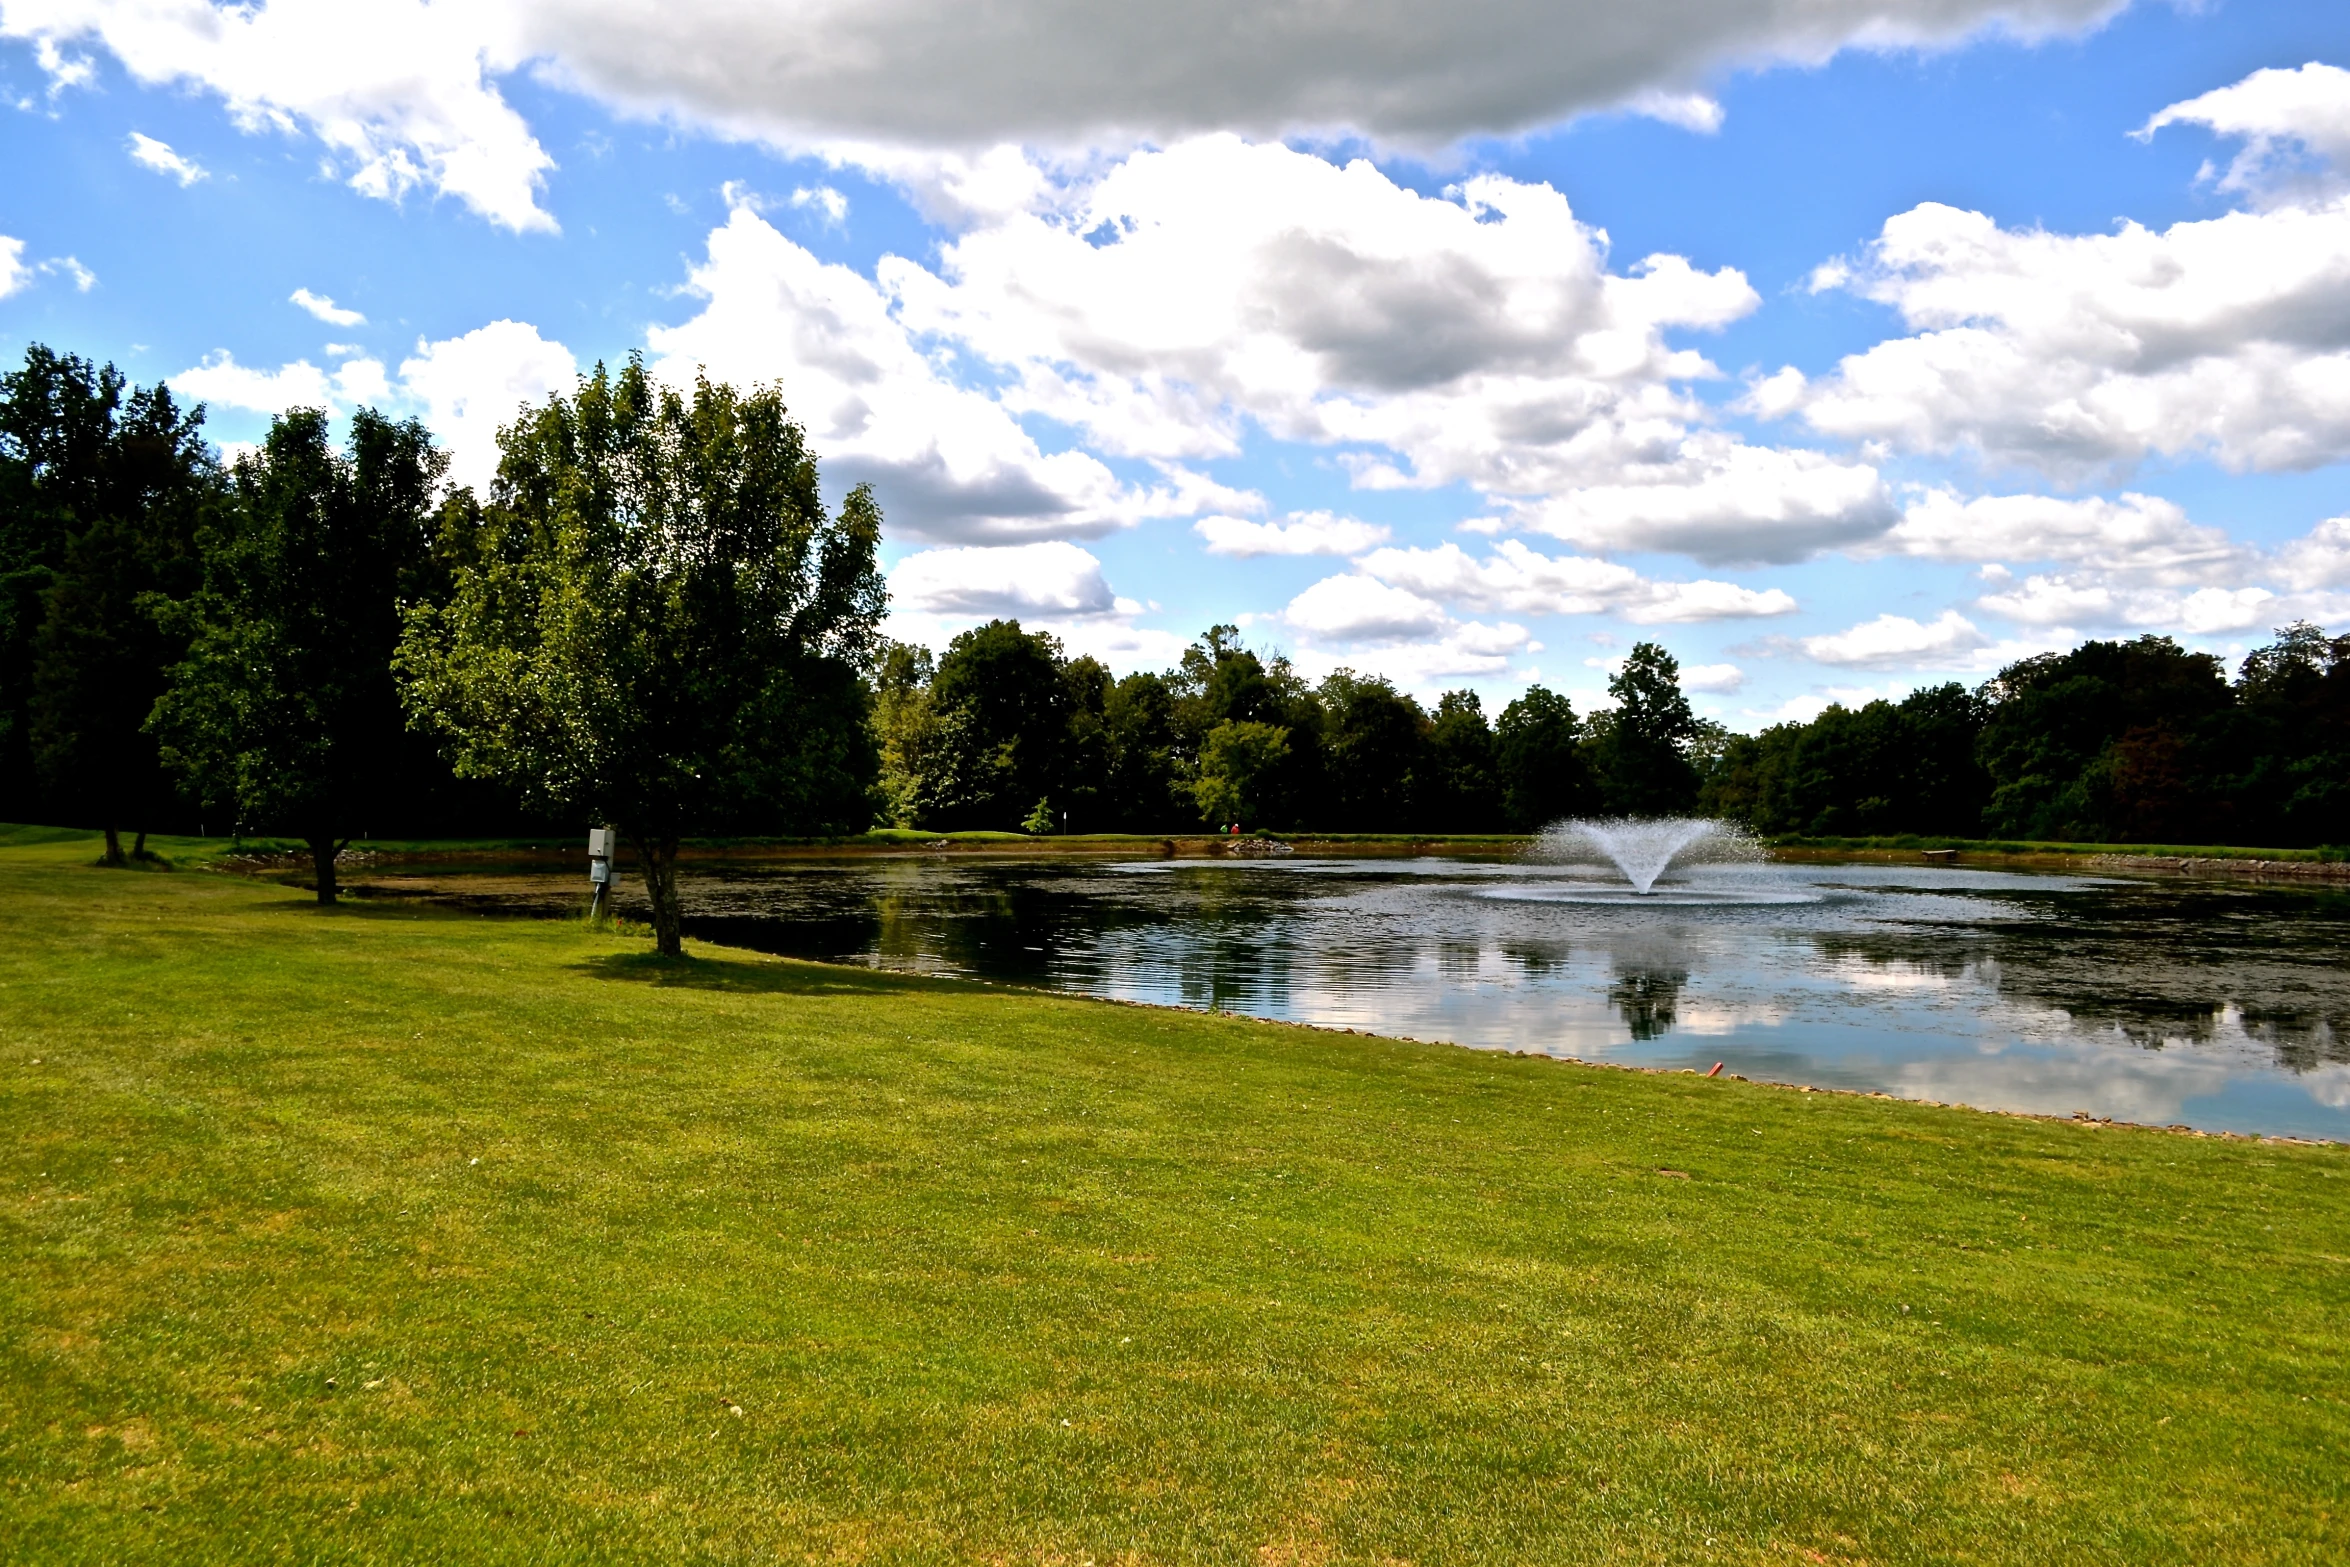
(326, 309)
(1050, 580)
(1898, 642)
(405, 94)
(148, 153)
(463, 387)
(1050, 586)
(2319, 560)
(1168, 303)
(2288, 119)
(1520, 580)
(14, 274)
(1359, 622)
(220, 379)
(83, 278)
(828, 204)
(2074, 354)
(951, 463)
(2144, 536)
(399, 91)
(1718, 678)
(2083, 599)
(470, 385)
(930, 72)
(1305, 533)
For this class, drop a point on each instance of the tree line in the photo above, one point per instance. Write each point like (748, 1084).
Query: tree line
(652, 618)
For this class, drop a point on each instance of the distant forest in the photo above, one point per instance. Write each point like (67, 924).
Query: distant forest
(143, 583)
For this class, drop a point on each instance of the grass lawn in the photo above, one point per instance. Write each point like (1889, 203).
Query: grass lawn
(379, 1235)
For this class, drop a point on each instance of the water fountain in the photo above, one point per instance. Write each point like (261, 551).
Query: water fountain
(1642, 849)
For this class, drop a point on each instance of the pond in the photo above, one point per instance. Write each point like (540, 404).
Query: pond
(2216, 1004)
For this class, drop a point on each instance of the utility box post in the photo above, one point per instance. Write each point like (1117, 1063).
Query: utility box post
(603, 873)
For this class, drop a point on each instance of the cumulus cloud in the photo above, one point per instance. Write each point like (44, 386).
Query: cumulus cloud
(1898, 642)
(1053, 579)
(2075, 354)
(148, 153)
(1305, 533)
(220, 379)
(1171, 302)
(2089, 600)
(463, 387)
(929, 72)
(2319, 560)
(326, 309)
(1051, 585)
(2295, 125)
(1720, 679)
(404, 93)
(1357, 621)
(14, 274)
(399, 91)
(1521, 580)
(952, 464)
(2144, 536)
(468, 386)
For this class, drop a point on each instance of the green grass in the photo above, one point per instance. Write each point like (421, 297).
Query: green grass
(378, 1235)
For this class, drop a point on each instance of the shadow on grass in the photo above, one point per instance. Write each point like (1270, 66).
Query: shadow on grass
(776, 977)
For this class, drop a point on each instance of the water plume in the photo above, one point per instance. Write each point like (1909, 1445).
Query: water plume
(1642, 849)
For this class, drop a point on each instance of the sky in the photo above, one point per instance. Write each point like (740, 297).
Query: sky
(1840, 346)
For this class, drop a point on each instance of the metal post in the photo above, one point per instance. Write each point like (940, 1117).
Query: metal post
(603, 845)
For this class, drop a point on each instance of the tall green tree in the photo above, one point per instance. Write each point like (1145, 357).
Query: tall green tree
(1538, 754)
(1640, 748)
(284, 705)
(1236, 765)
(1001, 702)
(57, 433)
(655, 622)
(1464, 791)
(1377, 747)
(107, 644)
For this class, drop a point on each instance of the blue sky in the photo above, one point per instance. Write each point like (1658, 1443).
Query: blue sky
(1839, 357)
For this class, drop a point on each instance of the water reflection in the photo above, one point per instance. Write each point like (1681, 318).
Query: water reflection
(2225, 1006)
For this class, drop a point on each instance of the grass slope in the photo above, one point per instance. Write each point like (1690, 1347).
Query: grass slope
(371, 1235)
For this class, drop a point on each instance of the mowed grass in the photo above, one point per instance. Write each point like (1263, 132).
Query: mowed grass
(379, 1235)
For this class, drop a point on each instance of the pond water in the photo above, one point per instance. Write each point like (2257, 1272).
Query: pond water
(2220, 1005)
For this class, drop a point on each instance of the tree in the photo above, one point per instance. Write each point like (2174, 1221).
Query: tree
(285, 703)
(1002, 709)
(2111, 741)
(1538, 754)
(655, 621)
(1640, 749)
(1138, 719)
(1377, 739)
(1463, 793)
(57, 427)
(904, 727)
(104, 650)
(1235, 765)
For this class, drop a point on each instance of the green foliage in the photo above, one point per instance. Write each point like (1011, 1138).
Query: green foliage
(1544, 772)
(1041, 820)
(1238, 764)
(1640, 748)
(101, 499)
(284, 708)
(1000, 709)
(655, 622)
(1885, 767)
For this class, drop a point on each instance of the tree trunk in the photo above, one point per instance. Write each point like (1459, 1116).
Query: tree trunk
(139, 849)
(658, 856)
(113, 847)
(322, 858)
